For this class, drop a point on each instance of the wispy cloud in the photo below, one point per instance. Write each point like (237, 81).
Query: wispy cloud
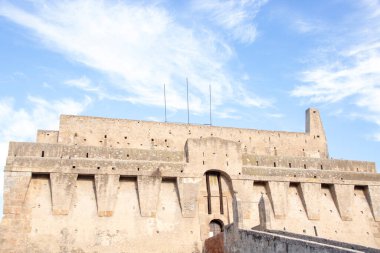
(355, 73)
(21, 124)
(307, 26)
(235, 17)
(140, 47)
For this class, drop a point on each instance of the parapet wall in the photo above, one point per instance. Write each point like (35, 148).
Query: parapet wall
(245, 241)
(118, 133)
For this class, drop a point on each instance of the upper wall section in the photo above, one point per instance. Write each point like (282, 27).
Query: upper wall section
(47, 136)
(123, 133)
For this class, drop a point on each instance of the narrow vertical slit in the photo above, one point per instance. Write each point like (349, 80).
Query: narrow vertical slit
(208, 193)
(220, 195)
(315, 231)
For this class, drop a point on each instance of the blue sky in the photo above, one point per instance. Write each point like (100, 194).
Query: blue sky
(267, 61)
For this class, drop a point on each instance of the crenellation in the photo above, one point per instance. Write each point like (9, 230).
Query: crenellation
(107, 185)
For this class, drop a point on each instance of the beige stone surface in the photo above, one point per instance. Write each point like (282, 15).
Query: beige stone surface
(117, 185)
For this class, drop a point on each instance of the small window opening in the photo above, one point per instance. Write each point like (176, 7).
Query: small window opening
(321, 167)
(304, 166)
(290, 165)
(105, 136)
(43, 153)
(315, 231)
(257, 163)
(274, 164)
(86, 155)
(73, 166)
(98, 168)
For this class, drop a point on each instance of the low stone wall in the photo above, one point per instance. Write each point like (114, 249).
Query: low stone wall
(246, 241)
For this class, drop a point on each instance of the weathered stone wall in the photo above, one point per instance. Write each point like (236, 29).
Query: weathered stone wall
(245, 241)
(111, 185)
(118, 133)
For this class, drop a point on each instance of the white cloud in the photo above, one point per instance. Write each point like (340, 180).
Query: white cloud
(84, 83)
(307, 26)
(355, 73)
(142, 47)
(228, 114)
(21, 124)
(236, 17)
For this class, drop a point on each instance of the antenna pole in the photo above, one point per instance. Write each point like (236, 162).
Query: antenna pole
(210, 106)
(187, 95)
(165, 102)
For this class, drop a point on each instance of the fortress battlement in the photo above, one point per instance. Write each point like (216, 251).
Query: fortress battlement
(108, 185)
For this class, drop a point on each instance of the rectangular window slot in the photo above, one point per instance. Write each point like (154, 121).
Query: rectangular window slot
(315, 231)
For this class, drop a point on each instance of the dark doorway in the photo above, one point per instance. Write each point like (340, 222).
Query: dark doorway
(216, 226)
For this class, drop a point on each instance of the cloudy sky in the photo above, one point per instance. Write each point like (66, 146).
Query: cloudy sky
(266, 61)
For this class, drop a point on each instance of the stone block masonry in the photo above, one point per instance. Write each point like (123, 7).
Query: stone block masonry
(117, 185)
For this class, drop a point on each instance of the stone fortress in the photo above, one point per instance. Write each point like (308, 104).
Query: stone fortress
(117, 185)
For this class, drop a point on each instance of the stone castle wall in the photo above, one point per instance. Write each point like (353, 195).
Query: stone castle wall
(112, 185)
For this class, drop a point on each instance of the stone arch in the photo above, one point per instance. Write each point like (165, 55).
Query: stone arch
(215, 203)
(216, 226)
